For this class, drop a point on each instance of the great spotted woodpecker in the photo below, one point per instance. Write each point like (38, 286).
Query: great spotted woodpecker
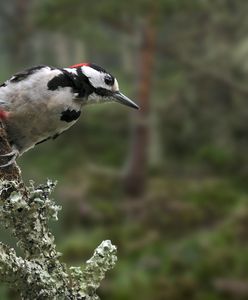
(41, 102)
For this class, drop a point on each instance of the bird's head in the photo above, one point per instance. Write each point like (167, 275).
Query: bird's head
(98, 85)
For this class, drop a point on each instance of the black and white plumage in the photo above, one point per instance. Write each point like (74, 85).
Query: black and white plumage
(42, 102)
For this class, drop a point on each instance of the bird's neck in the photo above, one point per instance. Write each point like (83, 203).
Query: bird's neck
(80, 82)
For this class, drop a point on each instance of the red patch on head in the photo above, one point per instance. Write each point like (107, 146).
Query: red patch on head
(79, 65)
(4, 114)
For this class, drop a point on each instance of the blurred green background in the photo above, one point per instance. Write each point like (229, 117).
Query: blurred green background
(167, 184)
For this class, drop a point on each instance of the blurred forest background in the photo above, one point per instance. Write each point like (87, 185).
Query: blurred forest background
(167, 184)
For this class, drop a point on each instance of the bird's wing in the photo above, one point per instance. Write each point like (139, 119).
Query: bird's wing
(26, 73)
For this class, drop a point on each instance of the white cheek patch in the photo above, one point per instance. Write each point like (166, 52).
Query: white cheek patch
(71, 70)
(96, 78)
(115, 87)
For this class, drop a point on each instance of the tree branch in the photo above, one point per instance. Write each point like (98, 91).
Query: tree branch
(39, 274)
(11, 172)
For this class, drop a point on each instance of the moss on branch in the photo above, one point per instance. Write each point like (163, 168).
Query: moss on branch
(39, 274)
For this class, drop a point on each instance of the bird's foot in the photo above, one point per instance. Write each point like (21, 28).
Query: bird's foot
(13, 156)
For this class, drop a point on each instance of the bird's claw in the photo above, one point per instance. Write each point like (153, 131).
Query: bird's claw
(13, 153)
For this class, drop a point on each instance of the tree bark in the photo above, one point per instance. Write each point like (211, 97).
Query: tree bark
(11, 172)
(135, 177)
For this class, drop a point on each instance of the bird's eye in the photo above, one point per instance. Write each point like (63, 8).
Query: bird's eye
(109, 80)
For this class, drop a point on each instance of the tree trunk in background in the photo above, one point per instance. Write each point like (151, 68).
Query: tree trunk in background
(79, 52)
(20, 32)
(61, 49)
(155, 156)
(135, 177)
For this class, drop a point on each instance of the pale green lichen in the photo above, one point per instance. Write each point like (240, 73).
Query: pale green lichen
(40, 274)
(87, 280)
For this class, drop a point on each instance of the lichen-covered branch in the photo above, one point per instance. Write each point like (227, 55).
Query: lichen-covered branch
(39, 274)
(87, 280)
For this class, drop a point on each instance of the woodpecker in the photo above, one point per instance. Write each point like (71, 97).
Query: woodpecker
(42, 102)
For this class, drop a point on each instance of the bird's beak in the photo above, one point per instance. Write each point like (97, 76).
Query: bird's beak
(119, 97)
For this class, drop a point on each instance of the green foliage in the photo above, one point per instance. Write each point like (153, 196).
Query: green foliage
(119, 15)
